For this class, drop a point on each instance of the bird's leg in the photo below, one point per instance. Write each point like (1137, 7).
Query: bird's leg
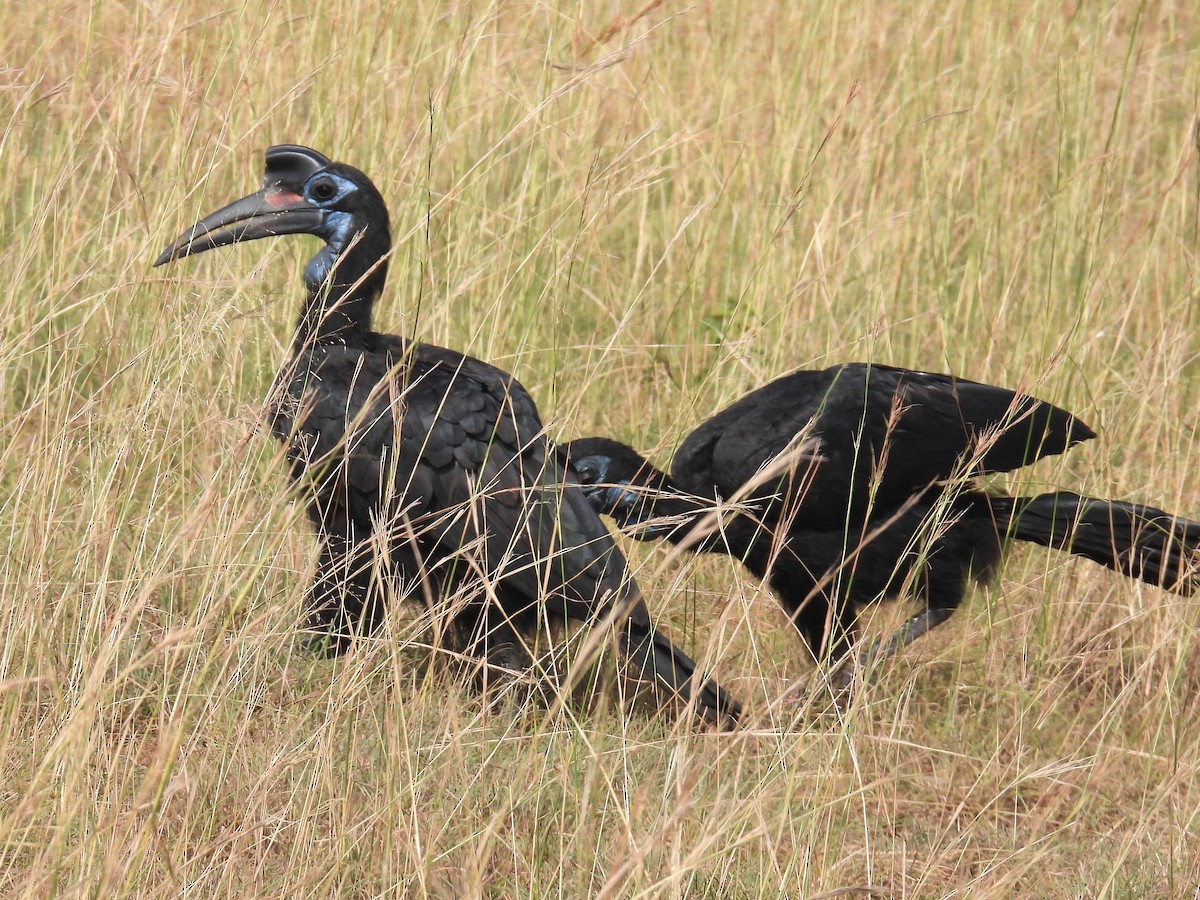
(495, 642)
(923, 622)
(811, 619)
(828, 626)
(490, 634)
(839, 641)
(342, 602)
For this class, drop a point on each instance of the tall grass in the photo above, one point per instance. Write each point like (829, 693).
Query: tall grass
(642, 210)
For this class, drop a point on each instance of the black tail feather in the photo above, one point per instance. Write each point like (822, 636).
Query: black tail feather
(665, 664)
(1139, 541)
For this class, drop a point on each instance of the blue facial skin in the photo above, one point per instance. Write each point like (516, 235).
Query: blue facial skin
(343, 189)
(615, 499)
(337, 228)
(606, 497)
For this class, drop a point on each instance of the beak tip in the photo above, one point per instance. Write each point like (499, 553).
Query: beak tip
(165, 257)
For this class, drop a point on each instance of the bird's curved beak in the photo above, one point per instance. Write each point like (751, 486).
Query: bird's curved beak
(272, 211)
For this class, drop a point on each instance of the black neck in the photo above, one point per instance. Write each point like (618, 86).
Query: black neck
(343, 281)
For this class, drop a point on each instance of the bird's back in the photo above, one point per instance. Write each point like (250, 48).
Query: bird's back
(859, 434)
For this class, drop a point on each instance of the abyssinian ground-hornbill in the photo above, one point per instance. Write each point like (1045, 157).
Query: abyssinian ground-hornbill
(856, 483)
(424, 469)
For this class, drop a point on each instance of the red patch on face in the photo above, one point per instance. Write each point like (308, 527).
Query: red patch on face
(279, 198)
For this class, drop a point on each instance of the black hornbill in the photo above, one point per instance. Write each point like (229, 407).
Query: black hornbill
(424, 469)
(857, 483)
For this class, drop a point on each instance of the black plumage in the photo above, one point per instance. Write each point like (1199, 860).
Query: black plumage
(424, 470)
(858, 483)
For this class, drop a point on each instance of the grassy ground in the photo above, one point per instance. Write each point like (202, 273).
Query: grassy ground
(642, 211)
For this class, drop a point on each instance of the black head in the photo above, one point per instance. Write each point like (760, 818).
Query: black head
(303, 192)
(600, 460)
(616, 478)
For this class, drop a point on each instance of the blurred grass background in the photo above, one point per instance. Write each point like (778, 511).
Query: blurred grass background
(642, 210)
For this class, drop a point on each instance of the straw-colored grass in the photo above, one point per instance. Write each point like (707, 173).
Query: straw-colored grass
(642, 210)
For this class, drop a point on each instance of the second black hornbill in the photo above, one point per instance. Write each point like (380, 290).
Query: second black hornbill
(425, 471)
(860, 482)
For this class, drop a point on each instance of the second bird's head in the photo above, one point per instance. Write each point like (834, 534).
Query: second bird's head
(304, 192)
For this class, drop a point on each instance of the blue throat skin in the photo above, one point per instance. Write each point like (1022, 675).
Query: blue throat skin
(342, 284)
(345, 277)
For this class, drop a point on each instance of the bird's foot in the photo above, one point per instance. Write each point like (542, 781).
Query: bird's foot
(844, 680)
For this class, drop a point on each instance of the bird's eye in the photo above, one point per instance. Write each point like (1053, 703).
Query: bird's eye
(323, 190)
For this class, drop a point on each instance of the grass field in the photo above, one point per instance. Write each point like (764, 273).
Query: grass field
(642, 210)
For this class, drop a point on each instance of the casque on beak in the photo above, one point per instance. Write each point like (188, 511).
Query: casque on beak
(272, 211)
(279, 208)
